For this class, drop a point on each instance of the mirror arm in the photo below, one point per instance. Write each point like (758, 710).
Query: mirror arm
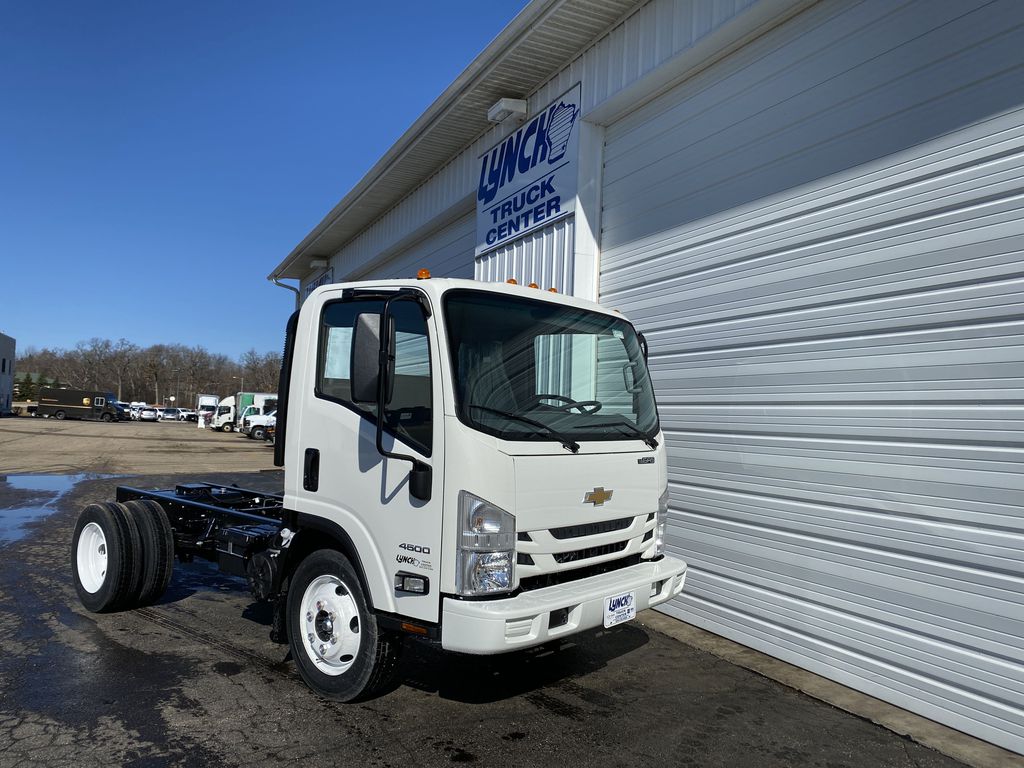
(419, 478)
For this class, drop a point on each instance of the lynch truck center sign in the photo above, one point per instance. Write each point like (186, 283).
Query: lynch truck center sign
(529, 179)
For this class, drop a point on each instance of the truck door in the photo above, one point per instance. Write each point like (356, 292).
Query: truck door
(98, 406)
(364, 493)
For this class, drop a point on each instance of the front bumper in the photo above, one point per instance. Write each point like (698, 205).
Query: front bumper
(497, 626)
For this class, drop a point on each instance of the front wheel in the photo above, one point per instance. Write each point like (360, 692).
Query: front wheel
(339, 650)
(106, 417)
(229, 427)
(258, 433)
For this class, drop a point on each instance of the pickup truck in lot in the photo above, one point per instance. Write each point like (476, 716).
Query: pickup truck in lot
(255, 426)
(475, 465)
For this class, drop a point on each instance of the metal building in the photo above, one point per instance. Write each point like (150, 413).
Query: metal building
(7, 346)
(815, 212)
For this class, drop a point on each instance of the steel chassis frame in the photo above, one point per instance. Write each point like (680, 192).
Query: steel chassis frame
(198, 511)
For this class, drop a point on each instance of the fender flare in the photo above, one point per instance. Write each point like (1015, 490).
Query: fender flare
(333, 533)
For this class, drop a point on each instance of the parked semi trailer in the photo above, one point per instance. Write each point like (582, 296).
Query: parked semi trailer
(475, 465)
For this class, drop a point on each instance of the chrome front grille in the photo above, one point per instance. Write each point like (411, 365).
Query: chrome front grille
(591, 529)
(589, 552)
(556, 555)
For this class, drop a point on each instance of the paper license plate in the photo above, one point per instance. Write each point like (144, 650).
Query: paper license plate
(619, 608)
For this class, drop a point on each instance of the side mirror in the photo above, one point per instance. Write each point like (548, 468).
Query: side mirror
(365, 364)
(643, 344)
(419, 481)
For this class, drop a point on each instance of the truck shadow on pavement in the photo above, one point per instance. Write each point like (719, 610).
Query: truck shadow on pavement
(455, 676)
(195, 577)
(487, 679)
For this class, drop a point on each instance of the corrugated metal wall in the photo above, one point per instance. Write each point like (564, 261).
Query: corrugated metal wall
(650, 36)
(544, 257)
(446, 253)
(822, 237)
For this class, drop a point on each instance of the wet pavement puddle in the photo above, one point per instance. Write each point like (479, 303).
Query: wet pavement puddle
(41, 491)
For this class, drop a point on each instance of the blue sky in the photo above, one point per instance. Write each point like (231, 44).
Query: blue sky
(158, 160)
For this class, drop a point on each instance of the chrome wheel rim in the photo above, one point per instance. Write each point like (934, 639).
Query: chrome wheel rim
(92, 558)
(331, 625)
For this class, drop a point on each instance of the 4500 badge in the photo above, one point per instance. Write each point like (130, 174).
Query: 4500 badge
(415, 562)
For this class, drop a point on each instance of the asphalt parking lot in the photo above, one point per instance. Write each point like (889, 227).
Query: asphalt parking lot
(196, 681)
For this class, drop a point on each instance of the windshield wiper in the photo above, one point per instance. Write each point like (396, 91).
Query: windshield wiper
(630, 427)
(568, 443)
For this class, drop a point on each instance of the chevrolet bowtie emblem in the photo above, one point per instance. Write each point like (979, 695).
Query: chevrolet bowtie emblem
(597, 497)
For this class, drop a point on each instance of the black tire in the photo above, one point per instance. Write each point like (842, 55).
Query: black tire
(59, 415)
(106, 417)
(258, 433)
(157, 549)
(372, 666)
(113, 587)
(133, 540)
(229, 427)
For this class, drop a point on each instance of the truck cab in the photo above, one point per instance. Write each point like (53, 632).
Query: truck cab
(496, 459)
(255, 426)
(224, 417)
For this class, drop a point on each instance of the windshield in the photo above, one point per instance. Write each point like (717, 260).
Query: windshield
(533, 370)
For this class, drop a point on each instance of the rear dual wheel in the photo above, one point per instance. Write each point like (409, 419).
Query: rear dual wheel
(157, 549)
(121, 555)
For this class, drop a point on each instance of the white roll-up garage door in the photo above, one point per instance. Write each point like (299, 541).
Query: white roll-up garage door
(821, 236)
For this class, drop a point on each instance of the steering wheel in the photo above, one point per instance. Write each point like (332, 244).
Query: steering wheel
(567, 403)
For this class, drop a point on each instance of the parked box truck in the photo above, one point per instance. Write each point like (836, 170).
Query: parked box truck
(80, 404)
(206, 409)
(231, 410)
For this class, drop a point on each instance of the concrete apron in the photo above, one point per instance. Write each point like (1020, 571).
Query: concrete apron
(929, 733)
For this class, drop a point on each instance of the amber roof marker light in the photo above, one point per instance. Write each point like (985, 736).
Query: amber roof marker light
(512, 281)
(423, 274)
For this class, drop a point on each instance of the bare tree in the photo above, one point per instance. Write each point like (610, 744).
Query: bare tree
(119, 363)
(93, 357)
(154, 372)
(261, 370)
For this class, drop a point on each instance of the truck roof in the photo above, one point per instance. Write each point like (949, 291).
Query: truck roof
(435, 287)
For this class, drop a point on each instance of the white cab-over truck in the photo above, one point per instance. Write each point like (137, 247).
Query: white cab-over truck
(232, 410)
(479, 465)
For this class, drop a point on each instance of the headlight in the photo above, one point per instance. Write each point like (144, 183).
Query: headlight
(660, 522)
(487, 542)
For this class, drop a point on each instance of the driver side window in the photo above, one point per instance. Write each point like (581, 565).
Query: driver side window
(408, 414)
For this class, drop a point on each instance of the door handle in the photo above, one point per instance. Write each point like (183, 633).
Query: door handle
(311, 470)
